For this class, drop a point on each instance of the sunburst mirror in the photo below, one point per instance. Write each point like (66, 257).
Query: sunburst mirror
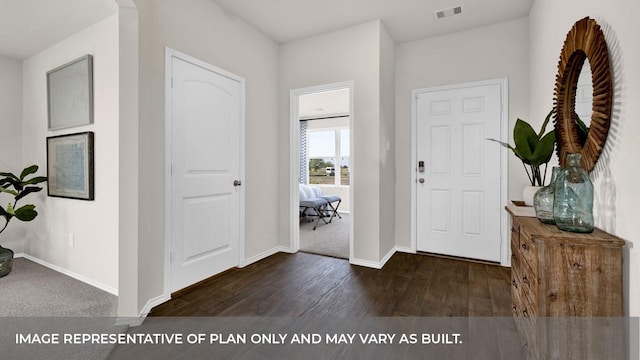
(585, 41)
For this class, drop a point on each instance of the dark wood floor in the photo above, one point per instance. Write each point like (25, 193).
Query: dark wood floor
(311, 285)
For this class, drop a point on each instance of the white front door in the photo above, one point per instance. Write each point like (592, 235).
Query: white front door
(205, 121)
(458, 201)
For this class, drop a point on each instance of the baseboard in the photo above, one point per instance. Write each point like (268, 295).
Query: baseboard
(153, 303)
(365, 263)
(388, 256)
(373, 264)
(137, 321)
(265, 255)
(380, 264)
(69, 273)
(407, 250)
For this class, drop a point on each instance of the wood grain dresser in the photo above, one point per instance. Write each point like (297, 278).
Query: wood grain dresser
(566, 291)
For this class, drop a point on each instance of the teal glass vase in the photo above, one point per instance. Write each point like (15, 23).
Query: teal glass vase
(543, 199)
(573, 198)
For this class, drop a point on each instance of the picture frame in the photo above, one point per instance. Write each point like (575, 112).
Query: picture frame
(70, 166)
(70, 94)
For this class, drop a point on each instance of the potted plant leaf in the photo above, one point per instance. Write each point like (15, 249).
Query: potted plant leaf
(17, 187)
(534, 150)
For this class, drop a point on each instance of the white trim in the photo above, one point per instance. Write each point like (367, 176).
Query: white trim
(137, 321)
(407, 250)
(167, 173)
(294, 159)
(170, 53)
(380, 264)
(294, 171)
(505, 250)
(414, 171)
(365, 263)
(160, 299)
(504, 176)
(265, 255)
(69, 273)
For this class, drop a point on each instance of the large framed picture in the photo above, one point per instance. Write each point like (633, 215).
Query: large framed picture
(70, 94)
(70, 166)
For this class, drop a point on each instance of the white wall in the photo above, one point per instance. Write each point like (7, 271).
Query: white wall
(202, 29)
(94, 224)
(351, 54)
(549, 22)
(489, 52)
(129, 162)
(11, 142)
(387, 142)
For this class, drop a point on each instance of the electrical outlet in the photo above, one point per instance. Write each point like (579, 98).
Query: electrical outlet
(72, 240)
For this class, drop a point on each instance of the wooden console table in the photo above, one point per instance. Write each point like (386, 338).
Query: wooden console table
(566, 291)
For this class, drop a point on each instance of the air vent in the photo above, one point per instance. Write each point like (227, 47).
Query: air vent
(440, 14)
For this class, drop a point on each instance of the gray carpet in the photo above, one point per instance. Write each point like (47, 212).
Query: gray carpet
(37, 300)
(34, 290)
(328, 239)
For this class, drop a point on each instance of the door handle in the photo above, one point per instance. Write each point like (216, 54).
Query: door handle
(421, 180)
(237, 182)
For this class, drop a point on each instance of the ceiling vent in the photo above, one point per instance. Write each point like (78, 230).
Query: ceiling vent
(440, 14)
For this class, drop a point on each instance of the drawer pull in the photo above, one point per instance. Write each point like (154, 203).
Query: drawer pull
(524, 246)
(525, 313)
(515, 284)
(525, 280)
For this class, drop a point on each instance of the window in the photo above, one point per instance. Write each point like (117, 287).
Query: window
(328, 151)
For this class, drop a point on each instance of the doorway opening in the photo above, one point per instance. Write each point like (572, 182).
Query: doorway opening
(321, 170)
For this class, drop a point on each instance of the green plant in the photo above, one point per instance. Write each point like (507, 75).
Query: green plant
(533, 149)
(21, 188)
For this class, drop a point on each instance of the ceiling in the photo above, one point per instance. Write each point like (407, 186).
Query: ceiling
(30, 26)
(407, 20)
(324, 104)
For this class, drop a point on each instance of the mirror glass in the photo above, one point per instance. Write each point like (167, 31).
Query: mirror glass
(584, 106)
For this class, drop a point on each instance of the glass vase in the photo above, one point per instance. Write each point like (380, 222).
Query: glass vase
(573, 198)
(6, 261)
(543, 199)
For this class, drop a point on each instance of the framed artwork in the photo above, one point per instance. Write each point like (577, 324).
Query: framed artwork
(70, 94)
(70, 166)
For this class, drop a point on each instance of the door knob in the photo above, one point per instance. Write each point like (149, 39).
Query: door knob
(421, 180)
(237, 182)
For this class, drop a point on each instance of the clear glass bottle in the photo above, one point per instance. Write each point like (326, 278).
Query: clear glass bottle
(573, 198)
(543, 199)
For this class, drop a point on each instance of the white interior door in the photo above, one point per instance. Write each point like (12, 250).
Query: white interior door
(458, 193)
(206, 156)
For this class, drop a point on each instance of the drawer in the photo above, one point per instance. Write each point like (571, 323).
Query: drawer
(515, 259)
(522, 304)
(524, 285)
(528, 252)
(515, 234)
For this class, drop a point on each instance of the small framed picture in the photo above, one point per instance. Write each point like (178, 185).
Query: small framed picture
(70, 166)
(70, 94)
